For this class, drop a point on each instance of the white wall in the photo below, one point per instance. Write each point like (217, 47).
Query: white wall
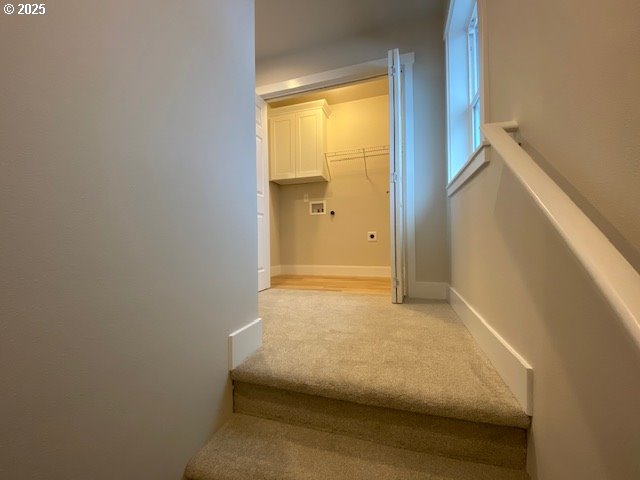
(124, 264)
(425, 39)
(565, 72)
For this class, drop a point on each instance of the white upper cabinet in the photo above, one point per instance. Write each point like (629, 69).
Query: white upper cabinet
(298, 142)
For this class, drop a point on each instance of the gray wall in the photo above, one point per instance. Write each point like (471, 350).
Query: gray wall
(568, 73)
(425, 39)
(126, 128)
(516, 271)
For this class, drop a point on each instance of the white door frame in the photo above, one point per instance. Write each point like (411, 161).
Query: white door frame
(353, 73)
(262, 190)
(397, 228)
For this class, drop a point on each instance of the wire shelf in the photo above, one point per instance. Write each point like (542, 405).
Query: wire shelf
(357, 154)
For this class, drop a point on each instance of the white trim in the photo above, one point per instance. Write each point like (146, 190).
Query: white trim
(276, 270)
(609, 270)
(265, 242)
(244, 342)
(483, 55)
(514, 370)
(478, 159)
(508, 126)
(397, 217)
(326, 108)
(430, 290)
(336, 270)
(448, 20)
(338, 76)
(409, 184)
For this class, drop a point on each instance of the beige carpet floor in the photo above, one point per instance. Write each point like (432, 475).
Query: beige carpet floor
(417, 356)
(258, 449)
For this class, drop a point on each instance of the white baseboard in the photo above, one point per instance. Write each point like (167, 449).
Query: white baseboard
(244, 342)
(335, 270)
(276, 270)
(514, 370)
(429, 290)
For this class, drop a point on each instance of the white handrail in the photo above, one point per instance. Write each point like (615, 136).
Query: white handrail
(611, 272)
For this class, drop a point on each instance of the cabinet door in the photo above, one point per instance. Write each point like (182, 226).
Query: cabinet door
(309, 149)
(281, 147)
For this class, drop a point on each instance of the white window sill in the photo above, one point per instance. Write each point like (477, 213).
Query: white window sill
(477, 160)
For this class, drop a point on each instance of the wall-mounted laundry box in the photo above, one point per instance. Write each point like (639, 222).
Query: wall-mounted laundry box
(298, 142)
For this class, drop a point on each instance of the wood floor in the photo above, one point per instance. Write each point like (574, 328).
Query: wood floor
(368, 285)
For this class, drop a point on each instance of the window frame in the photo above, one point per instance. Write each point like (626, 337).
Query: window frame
(466, 110)
(473, 74)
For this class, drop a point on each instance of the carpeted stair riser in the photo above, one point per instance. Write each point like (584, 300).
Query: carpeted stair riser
(478, 442)
(253, 448)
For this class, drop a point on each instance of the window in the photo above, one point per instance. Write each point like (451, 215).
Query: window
(464, 84)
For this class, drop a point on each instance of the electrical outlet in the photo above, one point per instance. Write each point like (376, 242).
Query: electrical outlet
(305, 198)
(372, 236)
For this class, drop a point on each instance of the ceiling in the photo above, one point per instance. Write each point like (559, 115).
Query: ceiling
(348, 93)
(284, 26)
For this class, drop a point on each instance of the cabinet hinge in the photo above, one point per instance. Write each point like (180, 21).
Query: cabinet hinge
(396, 283)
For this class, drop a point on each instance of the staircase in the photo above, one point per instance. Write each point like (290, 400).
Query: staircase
(352, 387)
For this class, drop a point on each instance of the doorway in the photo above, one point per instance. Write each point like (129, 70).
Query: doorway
(320, 210)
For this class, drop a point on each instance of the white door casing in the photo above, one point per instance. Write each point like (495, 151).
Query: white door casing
(396, 170)
(262, 190)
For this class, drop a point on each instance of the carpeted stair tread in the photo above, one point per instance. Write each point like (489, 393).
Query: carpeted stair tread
(472, 441)
(250, 448)
(416, 356)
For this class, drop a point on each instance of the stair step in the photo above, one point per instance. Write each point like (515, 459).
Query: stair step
(417, 356)
(252, 448)
(352, 387)
(479, 442)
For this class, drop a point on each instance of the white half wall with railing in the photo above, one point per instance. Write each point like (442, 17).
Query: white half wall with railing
(551, 287)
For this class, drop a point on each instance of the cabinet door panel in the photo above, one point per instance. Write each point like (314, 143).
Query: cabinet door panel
(281, 147)
(308, 143)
